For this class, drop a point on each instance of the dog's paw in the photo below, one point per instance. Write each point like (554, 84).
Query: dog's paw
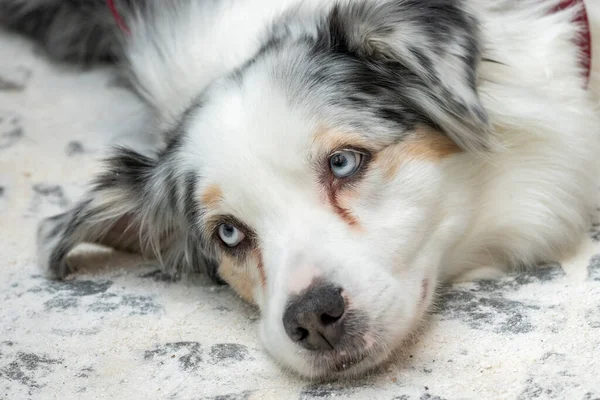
(53, 246)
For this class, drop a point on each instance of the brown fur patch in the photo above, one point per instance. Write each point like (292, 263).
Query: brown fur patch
(244, 278)
(424, 144)
(257, 255)
(337, 202)
(211, 196)
(239, 278)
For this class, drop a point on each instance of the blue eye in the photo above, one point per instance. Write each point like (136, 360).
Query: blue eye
(230, 235)
(345, 163)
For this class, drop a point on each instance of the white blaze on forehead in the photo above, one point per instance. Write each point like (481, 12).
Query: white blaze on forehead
(246, 138)
(302, 277)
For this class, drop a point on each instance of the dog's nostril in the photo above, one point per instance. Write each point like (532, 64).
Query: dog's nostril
(299, 334)
(327, 319)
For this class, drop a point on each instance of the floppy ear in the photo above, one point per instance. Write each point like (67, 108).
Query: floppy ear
(139, 204)
(431, 48)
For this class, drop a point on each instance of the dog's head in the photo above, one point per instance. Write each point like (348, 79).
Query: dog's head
(318, 177)
(323, 178)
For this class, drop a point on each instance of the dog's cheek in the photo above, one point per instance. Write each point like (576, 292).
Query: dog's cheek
(241, 278)
(247, 279)
(344, 204)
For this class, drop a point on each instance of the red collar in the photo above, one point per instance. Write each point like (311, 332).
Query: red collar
(585, 39)
(115, 13)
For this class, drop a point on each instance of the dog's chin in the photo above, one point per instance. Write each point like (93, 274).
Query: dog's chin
(344, 364)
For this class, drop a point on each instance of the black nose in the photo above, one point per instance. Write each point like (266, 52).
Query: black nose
(314, 319)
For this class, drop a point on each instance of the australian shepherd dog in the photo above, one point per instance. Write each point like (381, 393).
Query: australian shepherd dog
(335, 161)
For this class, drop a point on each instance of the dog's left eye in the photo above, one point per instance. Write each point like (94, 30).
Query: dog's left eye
(230, 235)
(345, 163)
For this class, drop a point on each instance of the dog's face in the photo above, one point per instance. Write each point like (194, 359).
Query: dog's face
(328, 196)
(331, 231)
(318, 177)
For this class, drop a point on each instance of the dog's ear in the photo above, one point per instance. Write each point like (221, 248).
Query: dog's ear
(139, 204)
(429, 49)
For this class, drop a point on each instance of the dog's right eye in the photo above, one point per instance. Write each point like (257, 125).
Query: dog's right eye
(230, 235)
(346, 163)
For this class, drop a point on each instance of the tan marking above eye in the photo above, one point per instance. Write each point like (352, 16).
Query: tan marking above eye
(329, 140)
(424, 144)
(211, 196)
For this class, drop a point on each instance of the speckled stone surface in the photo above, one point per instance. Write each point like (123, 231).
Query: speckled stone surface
(123, 330)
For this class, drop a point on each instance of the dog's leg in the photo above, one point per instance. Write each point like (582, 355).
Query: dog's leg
(59, 234)
(140, 204)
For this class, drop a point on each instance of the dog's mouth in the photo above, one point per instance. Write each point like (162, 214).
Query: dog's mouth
(350, 357)
(338, 362)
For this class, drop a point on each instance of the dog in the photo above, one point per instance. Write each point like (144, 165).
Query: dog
(336, 161)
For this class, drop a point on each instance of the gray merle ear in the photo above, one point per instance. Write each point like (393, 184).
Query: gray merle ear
(139, 204)
(430, 48)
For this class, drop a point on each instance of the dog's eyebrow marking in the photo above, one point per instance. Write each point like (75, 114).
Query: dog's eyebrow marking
(211, 196)
(424, 144)
(329, 140)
